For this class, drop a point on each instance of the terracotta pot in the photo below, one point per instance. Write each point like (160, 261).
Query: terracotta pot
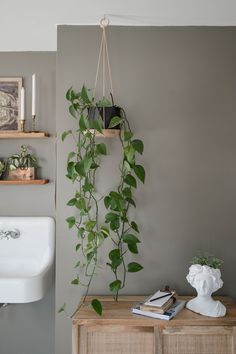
(22, 174)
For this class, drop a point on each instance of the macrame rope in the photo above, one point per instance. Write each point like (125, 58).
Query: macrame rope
(103, 53)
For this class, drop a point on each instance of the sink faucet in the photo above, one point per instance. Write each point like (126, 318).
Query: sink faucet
(7, 234)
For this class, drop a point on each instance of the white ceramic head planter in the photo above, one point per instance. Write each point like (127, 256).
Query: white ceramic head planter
(205, 280)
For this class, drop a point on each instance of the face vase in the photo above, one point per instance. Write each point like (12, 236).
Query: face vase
(205, 280)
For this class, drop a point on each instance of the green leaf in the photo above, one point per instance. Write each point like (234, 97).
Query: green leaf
(80, 204)
(90, 225)
(101, 149)
(114, 254)
(75, 281)
(138, 145)
(133, 248)
(127, 192)
(80, 232)
(85, 95)
(77, 264)
(82, 123)
(73, 111)
(127, 166)
(115, 224)
(111, 217)
(130, 238)
(134, 226)
(68, 94)
(87, 162)
(130, 153)
(71, 221)
(115, 286)
(128, 136)
(140, 172)
(70, 156)
(97, 306)
(91, 236)
(115, 121)
(134, 267)
(105, 231)
(130, 180)
(104, 102)
(115, 258)
(65, 134)
(72, 202)
(131, 201)
(97, 125)
(107, 201)
(62, 308)
(77, 247)
(79, 167)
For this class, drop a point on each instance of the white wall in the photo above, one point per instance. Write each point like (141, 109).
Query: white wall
(28, 25)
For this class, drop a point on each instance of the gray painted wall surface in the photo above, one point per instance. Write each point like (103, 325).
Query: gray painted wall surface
(29, 328)
(178, 87)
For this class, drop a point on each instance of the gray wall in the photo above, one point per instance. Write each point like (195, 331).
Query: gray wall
(29, 328)
(178, 87)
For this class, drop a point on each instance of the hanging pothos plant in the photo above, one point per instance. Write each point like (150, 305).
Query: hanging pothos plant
(117, 227)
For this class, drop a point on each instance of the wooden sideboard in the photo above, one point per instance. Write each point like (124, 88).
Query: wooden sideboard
(118, 331)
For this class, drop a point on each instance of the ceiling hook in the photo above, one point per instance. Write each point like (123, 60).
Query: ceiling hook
(104, 22)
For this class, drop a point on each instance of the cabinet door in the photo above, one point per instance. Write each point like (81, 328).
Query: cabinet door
(198, 340)
(116, 340)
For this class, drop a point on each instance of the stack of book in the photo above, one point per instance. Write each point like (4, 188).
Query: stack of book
(162, 305)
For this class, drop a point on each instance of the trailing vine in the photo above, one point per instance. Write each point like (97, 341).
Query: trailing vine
(82, 166)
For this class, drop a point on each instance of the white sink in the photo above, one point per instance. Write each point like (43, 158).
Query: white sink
(27, 247)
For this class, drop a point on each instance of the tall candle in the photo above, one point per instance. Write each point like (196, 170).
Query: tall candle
(33, 94)
(22, 106)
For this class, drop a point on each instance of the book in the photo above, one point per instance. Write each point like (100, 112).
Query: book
(168, 315)
(159, 302)
(156, 309)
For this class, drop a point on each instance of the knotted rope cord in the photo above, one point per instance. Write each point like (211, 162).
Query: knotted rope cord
(103, 52)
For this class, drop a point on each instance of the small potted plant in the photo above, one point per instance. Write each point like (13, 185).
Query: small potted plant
(104, 110)
(2, 168)
(205, 276)
(22, 166)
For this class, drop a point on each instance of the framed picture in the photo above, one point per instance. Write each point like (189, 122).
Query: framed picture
(10, 90)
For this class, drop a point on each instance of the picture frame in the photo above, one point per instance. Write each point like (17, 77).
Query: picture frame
(10, 98)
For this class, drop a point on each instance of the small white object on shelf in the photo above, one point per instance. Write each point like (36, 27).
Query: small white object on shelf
(33, 95)
(22, 106)
(206, 280)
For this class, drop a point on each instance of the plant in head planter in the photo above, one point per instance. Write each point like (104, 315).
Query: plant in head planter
(205, 276)
(82, 166)
(22, 165)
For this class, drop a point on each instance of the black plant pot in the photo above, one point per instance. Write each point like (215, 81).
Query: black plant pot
(106, 113)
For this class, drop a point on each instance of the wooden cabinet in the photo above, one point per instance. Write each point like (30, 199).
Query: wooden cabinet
(118, 331)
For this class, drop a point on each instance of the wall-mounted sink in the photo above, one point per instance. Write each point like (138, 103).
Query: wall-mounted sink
(27, 247)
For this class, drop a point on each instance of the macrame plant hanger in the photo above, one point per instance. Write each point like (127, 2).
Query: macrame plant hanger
(104, 58)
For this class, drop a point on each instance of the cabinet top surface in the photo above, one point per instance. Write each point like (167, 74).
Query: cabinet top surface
(120, 313)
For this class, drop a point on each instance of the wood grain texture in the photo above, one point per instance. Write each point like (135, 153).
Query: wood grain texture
(119, 313)
(23, 135)
(119, 331)
(24, 182)
(106, 133)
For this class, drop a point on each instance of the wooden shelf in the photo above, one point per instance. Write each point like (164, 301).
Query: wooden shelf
(107, 133)
(23, 135)
(24, 182)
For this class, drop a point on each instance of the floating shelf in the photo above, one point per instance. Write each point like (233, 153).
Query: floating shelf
(107, 133)
(23, 135)
(22, 182)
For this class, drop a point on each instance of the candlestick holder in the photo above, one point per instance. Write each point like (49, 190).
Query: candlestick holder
(33, 123)
(22, 125)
